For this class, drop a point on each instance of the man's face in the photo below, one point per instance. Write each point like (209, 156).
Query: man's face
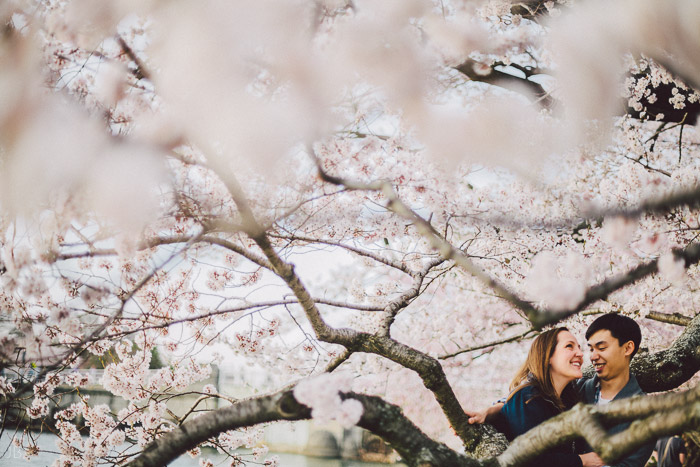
(609, 358)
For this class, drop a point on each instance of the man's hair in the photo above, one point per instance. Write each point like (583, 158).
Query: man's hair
(622, 328)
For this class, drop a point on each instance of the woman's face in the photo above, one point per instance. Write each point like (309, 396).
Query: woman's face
(567, 358)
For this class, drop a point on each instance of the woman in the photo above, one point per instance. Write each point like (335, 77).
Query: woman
(541, 390)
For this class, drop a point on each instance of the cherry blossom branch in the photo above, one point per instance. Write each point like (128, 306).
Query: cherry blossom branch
(539, 318)
(446, 249)
(275, 407)
(296, 207)
(367, 254)
(141, 71)
(505, 340)
(530, 9)
(159, 241)
(253, 307)
(74, 350)
(428, 368)
(394, 307)
(337, 361)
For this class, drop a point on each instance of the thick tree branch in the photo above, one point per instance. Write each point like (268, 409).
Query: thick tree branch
(275, 407)
(662, 415)
(380, 417)
(669, 368)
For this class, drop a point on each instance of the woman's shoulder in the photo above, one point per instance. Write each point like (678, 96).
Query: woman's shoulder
(530, 395)
(526, 392)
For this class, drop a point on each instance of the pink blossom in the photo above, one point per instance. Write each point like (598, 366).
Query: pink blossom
(618, 231)
(672, 268)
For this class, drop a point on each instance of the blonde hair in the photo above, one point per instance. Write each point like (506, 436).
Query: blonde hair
(535, 371)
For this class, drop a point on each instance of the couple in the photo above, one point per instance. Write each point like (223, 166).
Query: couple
(551, 381)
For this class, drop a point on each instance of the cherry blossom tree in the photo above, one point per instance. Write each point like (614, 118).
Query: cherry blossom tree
(378, 204)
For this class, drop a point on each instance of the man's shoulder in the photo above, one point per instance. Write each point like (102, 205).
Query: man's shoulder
(632, 388)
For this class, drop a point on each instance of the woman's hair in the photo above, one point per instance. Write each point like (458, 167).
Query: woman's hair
(536, 371)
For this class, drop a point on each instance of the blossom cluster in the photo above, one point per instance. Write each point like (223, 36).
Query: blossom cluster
(322, 394)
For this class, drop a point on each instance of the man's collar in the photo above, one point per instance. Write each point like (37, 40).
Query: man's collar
(630, 389)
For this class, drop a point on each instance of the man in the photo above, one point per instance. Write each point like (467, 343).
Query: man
(613, 340)
(670, 452)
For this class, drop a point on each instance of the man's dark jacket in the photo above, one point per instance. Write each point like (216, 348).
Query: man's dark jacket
(589, 390)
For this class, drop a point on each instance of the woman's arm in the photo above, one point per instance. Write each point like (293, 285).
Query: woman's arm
(486, 415)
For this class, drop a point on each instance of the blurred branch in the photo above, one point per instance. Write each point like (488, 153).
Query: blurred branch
(140, 71)
(495, 77)
(675, 318)
(529, 9)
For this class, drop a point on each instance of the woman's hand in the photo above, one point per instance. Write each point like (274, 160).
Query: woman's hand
(483, 416)
(591, 460)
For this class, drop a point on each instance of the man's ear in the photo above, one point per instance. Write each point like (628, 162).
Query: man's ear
(629, 348)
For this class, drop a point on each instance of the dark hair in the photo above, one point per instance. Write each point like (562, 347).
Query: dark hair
(622, 328)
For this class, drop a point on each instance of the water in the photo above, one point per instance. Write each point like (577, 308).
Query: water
(14, 457)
